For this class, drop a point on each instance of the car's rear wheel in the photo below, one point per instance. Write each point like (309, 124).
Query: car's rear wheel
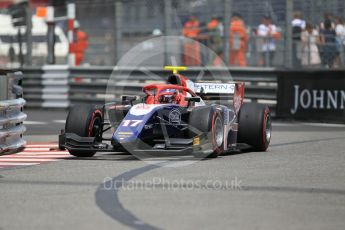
(85, 121)
(255, 126)
(207, 121)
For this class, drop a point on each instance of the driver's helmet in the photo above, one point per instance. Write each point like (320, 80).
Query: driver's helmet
(168, 91)
(167, 98)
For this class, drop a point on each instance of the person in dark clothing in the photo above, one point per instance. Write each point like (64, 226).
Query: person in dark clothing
(328, 40)
(298, 25)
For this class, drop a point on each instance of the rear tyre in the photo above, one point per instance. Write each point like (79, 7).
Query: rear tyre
(208, 121)
(255, 126)
(85, 121)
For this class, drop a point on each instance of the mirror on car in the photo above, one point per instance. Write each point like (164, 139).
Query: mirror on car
(129, 98)
(192, 99)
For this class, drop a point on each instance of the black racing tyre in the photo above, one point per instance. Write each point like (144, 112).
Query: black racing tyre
(85, 121)
(255, 126)
(208, 120)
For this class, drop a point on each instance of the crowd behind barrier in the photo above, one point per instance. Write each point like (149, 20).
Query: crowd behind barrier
(314, 46)
(239, 32)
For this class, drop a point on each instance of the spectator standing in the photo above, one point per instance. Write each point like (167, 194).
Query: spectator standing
(340, 39)
(215, 41)
(268, 33)
(310, 52)
(191, 49)
(238, 39)
(327, 17)
(80, 45)
(329, 45)
(298, 25)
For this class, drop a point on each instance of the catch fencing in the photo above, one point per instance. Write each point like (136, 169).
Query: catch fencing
(115, 27)
(11, 113)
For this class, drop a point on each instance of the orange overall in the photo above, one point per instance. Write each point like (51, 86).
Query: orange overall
(81, 45)
(191, 48)
(238, 43)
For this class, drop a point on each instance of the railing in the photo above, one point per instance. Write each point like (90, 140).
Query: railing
(59, 87)
(11, 113)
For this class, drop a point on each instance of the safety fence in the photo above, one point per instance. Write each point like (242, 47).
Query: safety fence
(11, 112)
(115, 27)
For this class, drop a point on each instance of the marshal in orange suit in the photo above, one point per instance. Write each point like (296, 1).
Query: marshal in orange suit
(191, 48)
(238, 39)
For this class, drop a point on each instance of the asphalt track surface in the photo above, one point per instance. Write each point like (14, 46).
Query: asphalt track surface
(299, 183)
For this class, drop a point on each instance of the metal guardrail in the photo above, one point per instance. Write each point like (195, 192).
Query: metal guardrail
(59, 86)
(11, 113)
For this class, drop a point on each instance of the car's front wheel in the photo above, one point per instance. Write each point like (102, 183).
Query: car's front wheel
(207, 122)
(85, 121)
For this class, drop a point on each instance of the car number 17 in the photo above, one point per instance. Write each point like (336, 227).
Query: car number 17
(131, 123)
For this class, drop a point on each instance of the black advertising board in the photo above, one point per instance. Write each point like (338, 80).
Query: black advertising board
(312, 95)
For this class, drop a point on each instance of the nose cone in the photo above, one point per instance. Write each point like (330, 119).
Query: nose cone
(134, 122)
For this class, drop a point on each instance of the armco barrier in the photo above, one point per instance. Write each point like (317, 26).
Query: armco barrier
(11, 115)
(55, 87)
(59, 86)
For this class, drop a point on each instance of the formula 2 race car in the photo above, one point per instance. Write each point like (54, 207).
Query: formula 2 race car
(172, 118)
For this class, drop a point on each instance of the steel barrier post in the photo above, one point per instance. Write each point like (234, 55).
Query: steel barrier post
(70, 21)
(288, 34)
(118, 29)
(227, 17)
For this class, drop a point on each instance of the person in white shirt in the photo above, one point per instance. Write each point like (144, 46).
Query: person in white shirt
(266, 31)
(297, 21)
(310, 52)
(340, 28)
(340, 39)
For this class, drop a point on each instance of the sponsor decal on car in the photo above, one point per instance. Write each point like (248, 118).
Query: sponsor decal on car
(131, 123)
(175, 116)
(207, 87)
(142, 109)
(123, 135)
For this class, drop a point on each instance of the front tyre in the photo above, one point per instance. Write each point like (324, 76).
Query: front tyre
(208, 122)
(255, 126)
(85, 121)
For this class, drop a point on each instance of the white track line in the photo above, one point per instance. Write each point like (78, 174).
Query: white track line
(16, 164)
(35, 123)
(11, 159)
(43, 122)
(39, 150)
(42, 146)
(28, 156)
(60, 121)
(307, 124)
(43, 153)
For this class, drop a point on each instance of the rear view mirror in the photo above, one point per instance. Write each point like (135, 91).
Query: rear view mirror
(128, 99)
(192, 99)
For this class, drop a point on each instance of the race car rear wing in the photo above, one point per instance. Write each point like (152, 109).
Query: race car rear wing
(214, 88)
(221, 91)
